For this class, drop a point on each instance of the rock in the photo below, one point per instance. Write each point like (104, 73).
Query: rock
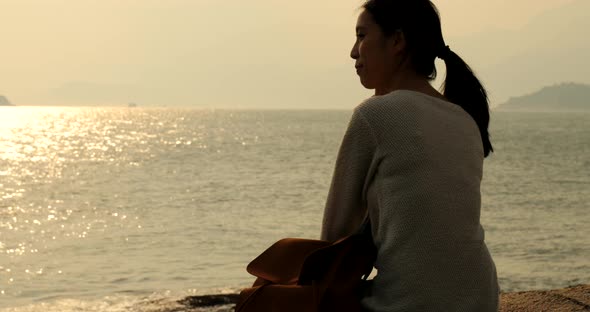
(209, 301)
(573, 298)
(570, 299)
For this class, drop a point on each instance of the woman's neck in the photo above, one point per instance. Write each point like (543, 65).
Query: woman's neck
(409, 80)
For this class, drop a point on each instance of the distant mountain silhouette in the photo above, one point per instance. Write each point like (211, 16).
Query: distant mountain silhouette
(561, 97)
(4, 101)
(550, 48)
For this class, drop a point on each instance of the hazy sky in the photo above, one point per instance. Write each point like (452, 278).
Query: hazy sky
(230, 53)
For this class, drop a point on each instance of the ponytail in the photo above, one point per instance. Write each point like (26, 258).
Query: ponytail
(464, 89)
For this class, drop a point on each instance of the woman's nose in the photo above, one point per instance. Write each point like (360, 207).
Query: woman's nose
(354, 52)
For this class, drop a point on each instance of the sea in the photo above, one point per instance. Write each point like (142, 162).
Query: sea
(131, 209)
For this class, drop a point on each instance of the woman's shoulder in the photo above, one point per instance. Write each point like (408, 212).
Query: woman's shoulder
(397, 101)
(388, 116)
(397, 106)
(403, 112)
(406, 105)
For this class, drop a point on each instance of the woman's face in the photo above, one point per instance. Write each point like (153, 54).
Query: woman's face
(374, 53)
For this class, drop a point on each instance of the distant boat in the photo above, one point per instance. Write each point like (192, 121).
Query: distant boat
(4, 101)
(132, 104)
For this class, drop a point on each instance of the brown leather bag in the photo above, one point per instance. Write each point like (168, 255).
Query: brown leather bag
(295, 275)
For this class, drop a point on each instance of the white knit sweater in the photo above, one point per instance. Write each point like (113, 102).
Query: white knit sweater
(414, 163)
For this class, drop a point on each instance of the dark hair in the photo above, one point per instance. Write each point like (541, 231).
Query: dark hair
(419, 21)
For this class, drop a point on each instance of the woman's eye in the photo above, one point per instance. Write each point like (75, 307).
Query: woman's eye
(360, 36)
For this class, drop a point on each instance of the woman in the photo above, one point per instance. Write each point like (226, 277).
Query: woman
(412, 161)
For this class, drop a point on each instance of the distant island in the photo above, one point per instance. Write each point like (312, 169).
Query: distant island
(561, 97)
(4, 101)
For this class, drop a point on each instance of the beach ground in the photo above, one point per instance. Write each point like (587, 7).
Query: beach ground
(570, 299)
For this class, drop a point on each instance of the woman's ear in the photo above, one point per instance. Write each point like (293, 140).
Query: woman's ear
(398, 41)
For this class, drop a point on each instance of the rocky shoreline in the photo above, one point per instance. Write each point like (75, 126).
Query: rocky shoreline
(570, 299)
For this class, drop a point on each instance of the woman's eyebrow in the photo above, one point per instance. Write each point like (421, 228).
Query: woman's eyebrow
(358, 28)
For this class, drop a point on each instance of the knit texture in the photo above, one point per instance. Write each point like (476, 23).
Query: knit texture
(414, 163)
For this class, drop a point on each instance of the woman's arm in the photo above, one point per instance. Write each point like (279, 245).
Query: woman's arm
(346, 204)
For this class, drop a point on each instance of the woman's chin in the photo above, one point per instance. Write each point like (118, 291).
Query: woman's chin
(366, 84)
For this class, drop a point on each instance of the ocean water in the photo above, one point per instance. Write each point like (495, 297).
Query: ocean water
(129, 209)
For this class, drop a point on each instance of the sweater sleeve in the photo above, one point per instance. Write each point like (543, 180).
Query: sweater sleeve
(346, 203)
